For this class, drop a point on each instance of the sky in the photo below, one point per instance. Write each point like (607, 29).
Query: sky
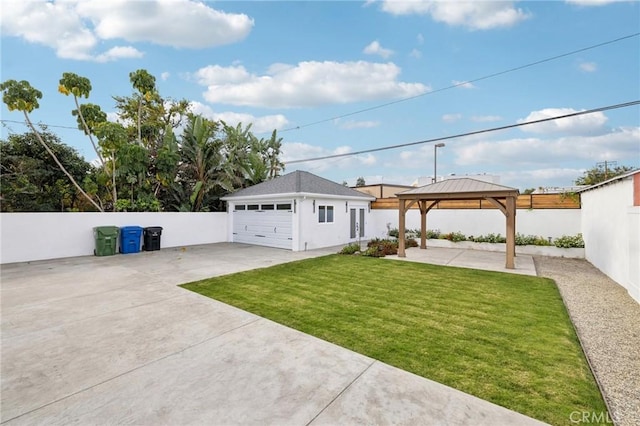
(335, 77)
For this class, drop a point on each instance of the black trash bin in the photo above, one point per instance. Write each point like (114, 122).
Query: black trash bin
(152, 236)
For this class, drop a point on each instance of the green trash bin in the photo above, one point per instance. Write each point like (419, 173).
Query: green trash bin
(106, 240)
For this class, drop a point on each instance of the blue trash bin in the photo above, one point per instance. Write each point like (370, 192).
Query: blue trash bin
(130, 239)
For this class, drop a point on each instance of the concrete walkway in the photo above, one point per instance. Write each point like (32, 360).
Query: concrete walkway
(112, 340)
(475, 259)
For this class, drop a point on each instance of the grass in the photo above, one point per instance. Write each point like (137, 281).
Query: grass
(502, 337)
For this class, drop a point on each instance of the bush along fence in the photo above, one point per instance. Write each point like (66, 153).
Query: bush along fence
(565, 246)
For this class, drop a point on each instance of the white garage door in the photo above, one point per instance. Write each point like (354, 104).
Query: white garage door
(265, 224)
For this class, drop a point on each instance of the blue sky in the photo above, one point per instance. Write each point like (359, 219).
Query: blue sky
(286, 65)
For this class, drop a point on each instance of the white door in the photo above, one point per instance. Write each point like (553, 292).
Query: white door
(265, 224)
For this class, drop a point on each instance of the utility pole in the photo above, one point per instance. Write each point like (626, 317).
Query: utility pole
(606, 165)
(435, 161)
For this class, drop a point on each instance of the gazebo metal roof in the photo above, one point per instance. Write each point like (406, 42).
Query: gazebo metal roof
(459, 188)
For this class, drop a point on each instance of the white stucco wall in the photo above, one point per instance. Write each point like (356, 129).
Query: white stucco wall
(611, 230)
(545, 223)
(39, 236)
(313, 235)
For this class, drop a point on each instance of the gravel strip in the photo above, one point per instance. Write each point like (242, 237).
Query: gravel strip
(607, 320)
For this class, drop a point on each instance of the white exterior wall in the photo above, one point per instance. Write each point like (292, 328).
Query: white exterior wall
(611, 232)
(39, 236)
(313, 235)
(552, 223)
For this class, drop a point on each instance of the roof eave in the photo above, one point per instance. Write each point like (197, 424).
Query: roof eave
(458, 195)
(292, 195)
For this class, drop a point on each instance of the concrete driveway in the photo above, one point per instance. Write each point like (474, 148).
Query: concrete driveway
(112, 340)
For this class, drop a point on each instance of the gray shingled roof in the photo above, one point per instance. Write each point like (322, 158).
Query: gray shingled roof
(458, 186)
(298, 182)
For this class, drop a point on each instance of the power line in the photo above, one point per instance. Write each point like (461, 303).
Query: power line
(442, 89)
(460, 135)
(48, 125)
(518, 68)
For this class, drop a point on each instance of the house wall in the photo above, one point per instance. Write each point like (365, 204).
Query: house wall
(39, 236)
(545, 223)
(611, 232)
(313, 235)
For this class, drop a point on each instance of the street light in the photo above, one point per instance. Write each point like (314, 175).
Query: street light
(435, 160)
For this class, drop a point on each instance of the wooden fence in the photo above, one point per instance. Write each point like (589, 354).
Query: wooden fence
(525, 201)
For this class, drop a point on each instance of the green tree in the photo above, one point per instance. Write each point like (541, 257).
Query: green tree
(360, 182)
(23, 97)
(600, 173)
(32, 182)
(145, 84)
(80, 87)
(529, 191)
(201, 166)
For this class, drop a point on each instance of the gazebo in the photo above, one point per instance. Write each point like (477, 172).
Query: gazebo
(428, 196)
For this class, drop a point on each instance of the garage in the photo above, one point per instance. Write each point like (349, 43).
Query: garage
(298, 211)
(267, 223)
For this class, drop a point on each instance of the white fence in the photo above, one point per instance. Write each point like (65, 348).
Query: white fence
(611, 228)
(547, 223)
(39, 236)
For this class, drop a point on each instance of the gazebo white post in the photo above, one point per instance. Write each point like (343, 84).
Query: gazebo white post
(423, 224)
(511, 232)
(401, 226)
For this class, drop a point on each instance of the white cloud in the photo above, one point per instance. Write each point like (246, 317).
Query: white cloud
(299, 151)
(165, 76)
(581, 124)
(588, 66)
(306, 84)
(420, 38)
(415, 53)
(119, 52)
(619, 144)
(592, 2)
(375, 48)
(351, 124)
(217, 75)
(463, 84)
(477, 15)
(485, 118)
(262, 124)
(74, 28)
(451, 118)
(177, 23)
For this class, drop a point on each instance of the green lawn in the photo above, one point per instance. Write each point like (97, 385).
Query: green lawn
(502, 337)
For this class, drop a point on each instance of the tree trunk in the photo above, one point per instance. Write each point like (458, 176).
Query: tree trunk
(86, 129)
(64, 170)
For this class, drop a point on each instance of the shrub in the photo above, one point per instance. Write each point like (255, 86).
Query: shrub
(433, 234)
(567, 241)
(411, 242)
(393, 233)
(350, 249)
(454, 236)
(373, 252)
(413, 233)
(531, 240)
(384, 246)
(490, 238)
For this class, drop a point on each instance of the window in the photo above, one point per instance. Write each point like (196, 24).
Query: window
(241, 207)
(325, 214)
(284, 207)
(252, 207)
(267, 207)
